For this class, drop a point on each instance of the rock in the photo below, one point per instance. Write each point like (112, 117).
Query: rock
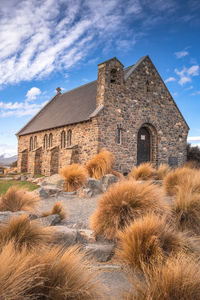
(94, 185)
(50, 220)
(6, 215)
(101, 252)
(56, 180)
(84, 193)
(43, 193)
(88, 235)
(17, 177)
(108, 180)
(23, 177)
(48, 191)
(66, 236)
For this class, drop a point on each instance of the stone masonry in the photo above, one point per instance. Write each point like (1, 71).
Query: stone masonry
(126, 102)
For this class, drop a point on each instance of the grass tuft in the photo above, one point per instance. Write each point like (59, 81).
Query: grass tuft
(162, 171)
(17, 199)
(149, 240)
(100, 164)
(178, 278)
(144, 171)
(57, 209)
(75, 176)
(23, 232)
(123, 203)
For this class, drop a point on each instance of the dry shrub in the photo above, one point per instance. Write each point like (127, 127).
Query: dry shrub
(178, 177)
(17, 199)
(75, 176)
(177, 279)
(57, 209)
(100, 164)
(118, 174)
(124, 202)
(66, 275)
(186, 209)
(162, 171)
(149, 240)
(18, 277)
(23, 232)
(144, 171)
(192, 164)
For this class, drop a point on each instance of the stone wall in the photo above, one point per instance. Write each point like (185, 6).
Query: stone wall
(141, 100)
(84, 145)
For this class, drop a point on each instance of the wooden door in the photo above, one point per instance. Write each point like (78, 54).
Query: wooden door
(143, 145)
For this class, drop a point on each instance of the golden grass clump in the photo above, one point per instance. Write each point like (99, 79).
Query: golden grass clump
(144, 171)
(18, 277)
(124, 202)
(162, 171)
(57, 209)
(186, 209)
(178, 177)
(177, 279)
(100, 164)
(17, 199)
(23, 232)
(75, 176)
(149, 240)
(66, 274)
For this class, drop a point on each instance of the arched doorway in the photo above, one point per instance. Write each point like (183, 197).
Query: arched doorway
(143, 145)
(38, 162)
(24, 161)
(54, 161)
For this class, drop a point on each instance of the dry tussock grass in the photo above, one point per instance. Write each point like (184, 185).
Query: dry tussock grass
(18, 277)
(186, 208)
(178, 278)
(66, 275)
(144, 171)
(162, 171)
(17, 199)
(123, 203)
(179, 177)
(23, 232)
(100, 164)
(57, 209)
(148, 241)
(75, 176)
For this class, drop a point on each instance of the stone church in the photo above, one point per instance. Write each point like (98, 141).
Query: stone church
(128, 111)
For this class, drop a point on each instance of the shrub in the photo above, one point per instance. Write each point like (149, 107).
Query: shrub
(124, 202)
(17, 275)
(178, 278)
(17, 199)
(175, 178)
(144, 171)
(100, 164)
(149, 240)
(186, 208)
(66, 275)
(75, 176)
(23, 232)
(193, 153)
(57, 209)
(162, 171)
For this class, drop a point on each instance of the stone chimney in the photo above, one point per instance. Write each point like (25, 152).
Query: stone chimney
(110, 74)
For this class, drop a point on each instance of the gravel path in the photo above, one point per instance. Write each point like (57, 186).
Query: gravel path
(79, 209)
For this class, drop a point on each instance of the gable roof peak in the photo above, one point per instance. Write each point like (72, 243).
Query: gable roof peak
(114, 58)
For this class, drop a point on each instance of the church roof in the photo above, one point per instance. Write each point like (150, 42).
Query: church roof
(74, 106)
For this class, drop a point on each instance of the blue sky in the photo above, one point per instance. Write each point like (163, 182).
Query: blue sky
(49, 43)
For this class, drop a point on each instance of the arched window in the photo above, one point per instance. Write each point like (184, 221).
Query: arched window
(63, 139)
(119, 136)
(50, 140)
(31, 144)
(113, 76)
(147, 86)
(69, 137)
(45, 141)
(35, 142)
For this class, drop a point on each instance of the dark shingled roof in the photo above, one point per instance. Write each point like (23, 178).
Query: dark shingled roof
(77, 105)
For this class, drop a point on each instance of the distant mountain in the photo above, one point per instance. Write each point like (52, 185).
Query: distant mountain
(7, 160)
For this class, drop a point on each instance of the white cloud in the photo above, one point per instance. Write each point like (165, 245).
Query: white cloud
(186, 74)
(195, 93)
(8, 150)
(170, 79)
(193, 138)
(19, 109)
(181, 54)
(33, 93)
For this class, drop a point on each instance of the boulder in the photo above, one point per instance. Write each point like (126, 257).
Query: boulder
(24, 177)
(50, 220)
(94, 187)
(66, 236)
(100, 252)
(55, 180)
(108, 180)
(6, 215)
(48, 191)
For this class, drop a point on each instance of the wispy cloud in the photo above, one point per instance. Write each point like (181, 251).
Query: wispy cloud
(33, 93)
(19, 109)
(8, 150)
(170, 79)
(181, 54)
(195, 93)
(186, 74)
